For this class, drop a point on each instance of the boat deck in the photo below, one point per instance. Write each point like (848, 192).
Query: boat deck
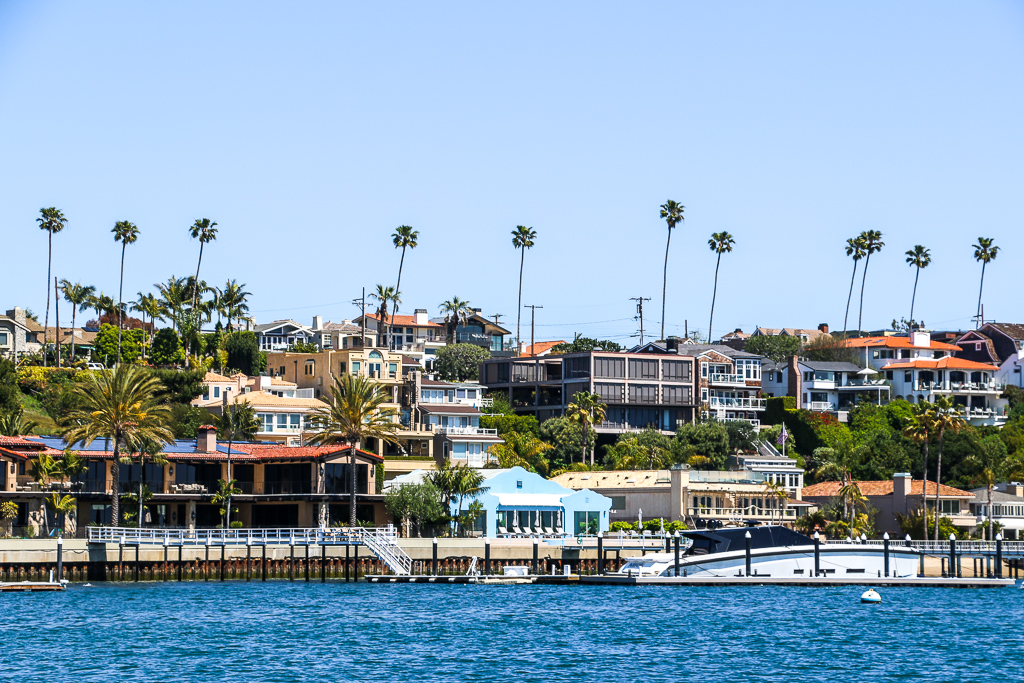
(31, 587)
(916, 581)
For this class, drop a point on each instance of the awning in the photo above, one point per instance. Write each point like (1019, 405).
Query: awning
(529, 500)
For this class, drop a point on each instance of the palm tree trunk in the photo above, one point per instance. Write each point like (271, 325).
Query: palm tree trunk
(142, 482)
(74, 311)
(231, 437)
(860, 315)
(924, 496)
(49, 263)
(938, 483)
(195, 297)
(394, 307)
(519, 307)
(664, 283)
(914, 296)
(352, 484)
(991, 535)
(120, 314)
(980, 290)
(714, 295)
(849, 297)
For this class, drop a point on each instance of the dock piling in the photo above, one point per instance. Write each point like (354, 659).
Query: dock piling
(433, 561)
(291, 560)
(952, 555)
(60, 558)
(138, 547)
(746, 545)
(600, 553)
(180, 553)
(355, 555)
(223, 552)
(885, 546)
(248, 559)
(536, 554)
(120, 560)
(348, 562)
(206, 567)
(263, 563)
(676, 544)
(164, 577)
(307, 562)
(323, 563)
(999, 556)
(817, 554)
(487, 556)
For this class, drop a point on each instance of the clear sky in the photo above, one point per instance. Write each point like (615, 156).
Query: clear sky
(309, 131)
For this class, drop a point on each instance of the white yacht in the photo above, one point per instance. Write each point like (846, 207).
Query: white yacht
(775, 551)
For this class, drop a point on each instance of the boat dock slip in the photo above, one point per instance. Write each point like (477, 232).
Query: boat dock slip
(909, 581)
(31, 587)
(495, 580)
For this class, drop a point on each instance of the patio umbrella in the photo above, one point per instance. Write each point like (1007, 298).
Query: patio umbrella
(640, 519)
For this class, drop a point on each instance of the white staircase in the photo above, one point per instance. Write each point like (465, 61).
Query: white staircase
(768, 450)
(383, 542)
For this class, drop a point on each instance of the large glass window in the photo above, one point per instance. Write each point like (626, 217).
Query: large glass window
(643, 393)
(609, 392)
(614, 368)
(675, 370)
(585, 522)
(336, 478)
(643, 369)
(287, 478)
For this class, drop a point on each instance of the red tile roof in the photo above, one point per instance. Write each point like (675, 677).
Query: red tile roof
(881, 488)
(404, 320)
(941, 364)
(540, 347)
(19, 441)
(895, 342)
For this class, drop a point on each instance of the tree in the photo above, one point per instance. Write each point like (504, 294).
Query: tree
(829, 349)
(984, 252)
(44, 469)
(586, 410)
(774, 489)
(872, 244)
(206, 231)
(353, 412)
(523, 238)
(126, 233)
(225, 490)
(672, 212)
(995, 465)
(404, 237)
(946, 417)
(648, 450)
(919, 257)
(720, 243)
(106, 341)
(80, 298)
(523, 449)
(460, 362)
(52, 221)
(855, 248)
(416, 503)
(13, 423)
(777, 347)
(8, 513)
(708, 439)
(585, 344)
(147, 304)
(233, 299)
(456, 482)
(166, 348)
(153, 450)
(386, 297)
(920, 429)
(120, 405)
(244, 353)
(455, 311)
(238, 422)
(8, 387)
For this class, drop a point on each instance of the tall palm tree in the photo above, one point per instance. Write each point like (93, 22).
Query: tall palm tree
(672, 212)
(385, 296)
(720, 242)
(353, 412)
(147, 304)
(920, 428)
(122, 405)
(234, 299)
(522, 239)
(104, 305)
(145, 449)
(80, 298)
(238, 422)
(855, 248)
(52, 221)
(919, 257)
(947, 417)
(206, 231)
(984, 251)
(872, 244)
(126, 233)
(995, 466)
(469, 483)
(455, 311)
(774, 489)
(404, 237)
(586, 410)
(173, 295)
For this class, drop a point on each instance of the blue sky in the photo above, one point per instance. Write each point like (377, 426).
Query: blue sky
(309, 131)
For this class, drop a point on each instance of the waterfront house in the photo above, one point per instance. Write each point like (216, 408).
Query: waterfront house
(519, 499)
(480, 331)
(298, 486)
(414, 336)
(998, 344)
(729, 382)
(806, 336)
(282, 335)
(902, 494)
(19, 334)
(542, 348)
(825, 386)
(1007, 507)
(652, 387)
(328, 336)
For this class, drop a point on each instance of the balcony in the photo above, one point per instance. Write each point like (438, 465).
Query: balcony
(728, 379)
(737, 403)
(737, 514)
(465, 431)
(821, 406)
(756, 424)
(863, 384)
(962, 387)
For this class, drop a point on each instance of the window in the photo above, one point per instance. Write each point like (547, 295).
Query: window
(355, 367)
(216, 394)
(585, 522)
(460, 393)
(519, 485)
(310, 367)
(704, 370)
(295, 421)
(282, 421)
(676, 370)
(342, 367)
(268, 421)
(613, 368)
(643, 393)
(676, 395)
(392, 370)
(907, 377)
(704, 395)
(888, 376)
(618, 503)
(947, 507)
(3, 339)
(643, 369)
(576, 367)
(609, 392)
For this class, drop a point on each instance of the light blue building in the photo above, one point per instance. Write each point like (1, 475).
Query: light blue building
(519, 499)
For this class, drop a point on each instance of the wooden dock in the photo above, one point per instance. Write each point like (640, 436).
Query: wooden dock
(31, 587)
(485, 580)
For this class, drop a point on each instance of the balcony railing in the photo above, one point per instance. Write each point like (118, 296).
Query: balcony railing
(962, 387)
(744, 403)
(754, 422)
(466, 431)
(743, 513)
(821, 406)
(726, 378)
(859, 383)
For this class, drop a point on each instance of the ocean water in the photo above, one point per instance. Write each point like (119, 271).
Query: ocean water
(281, 631)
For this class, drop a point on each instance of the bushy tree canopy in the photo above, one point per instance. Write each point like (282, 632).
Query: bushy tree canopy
(778, 348)
(460, 362)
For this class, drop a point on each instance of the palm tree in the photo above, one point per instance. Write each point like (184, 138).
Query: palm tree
(123, 406)
(774, 489)
(80, 298)
(872, 243)
(522, 239)
(720, 243)
(672, 212)
(147, 304)
(44, 468)
(238, 422)
(855, 247)
(126, 233)
(995, 466)
(226, 488)
(404, 237)
(455, 311)
(919, 257)
(15, 424)
(206, 231)
(173, 295)
(52, 221)
(586, 410)
(854, 499)
(234, 300)
(984, 251)
(385, 296)
(920, 429)
(352, 413)
(946, 417)
(146, 448)
(469, 483)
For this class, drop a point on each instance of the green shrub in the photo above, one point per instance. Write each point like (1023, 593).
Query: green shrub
(166, 348)
(776, 407)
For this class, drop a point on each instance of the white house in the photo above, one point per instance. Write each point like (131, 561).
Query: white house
(824, 386)
(282, 335)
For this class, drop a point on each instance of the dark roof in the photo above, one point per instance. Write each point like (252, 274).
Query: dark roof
(409, 360)
(831, 366)
(697, 349)
(435, 383)
(449, 409)
(1012, 330)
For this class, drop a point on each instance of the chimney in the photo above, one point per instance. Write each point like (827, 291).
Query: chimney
(420, 317)
(1015, 488)
(823, 328)
(318, 322)
(901, 482)
(922, 339)
(794, 381)
(207, 440)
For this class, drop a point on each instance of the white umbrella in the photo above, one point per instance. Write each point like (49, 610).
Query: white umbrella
(640, 519)
(868, 371)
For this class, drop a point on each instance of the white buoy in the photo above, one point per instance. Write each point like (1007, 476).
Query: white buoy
(871, 597)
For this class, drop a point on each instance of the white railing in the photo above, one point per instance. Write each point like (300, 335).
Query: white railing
(821, 406)
(486, 402)
(726, 378)
(754, 422)
(747, 403)
(941, 547)
(474, 431)
(382, 542)
(859, 383)
(743, 513)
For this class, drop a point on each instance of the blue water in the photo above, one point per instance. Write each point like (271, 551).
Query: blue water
(279, 631)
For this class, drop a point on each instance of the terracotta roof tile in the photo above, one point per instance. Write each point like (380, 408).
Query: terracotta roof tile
(404, 320)
(540, 347)
(880, 488)
(941, 364)
(894, 342)
(211, 376)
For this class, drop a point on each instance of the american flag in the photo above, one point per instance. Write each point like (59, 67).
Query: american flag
(783, 435)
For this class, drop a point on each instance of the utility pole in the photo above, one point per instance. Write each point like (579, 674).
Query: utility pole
(56, 308)
(640, 313)
(361, 304)
(533, 311)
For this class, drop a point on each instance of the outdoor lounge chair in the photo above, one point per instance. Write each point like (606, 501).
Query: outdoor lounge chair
(502, 531)
(559, 531)
(548, 531)
(517, 531)
(538, 531)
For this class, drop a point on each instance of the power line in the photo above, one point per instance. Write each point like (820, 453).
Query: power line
(533, 311)
(640, 313)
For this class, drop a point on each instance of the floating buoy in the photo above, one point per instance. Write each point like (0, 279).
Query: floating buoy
(871, 597)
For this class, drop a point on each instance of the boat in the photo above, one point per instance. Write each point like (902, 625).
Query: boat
(775, 551)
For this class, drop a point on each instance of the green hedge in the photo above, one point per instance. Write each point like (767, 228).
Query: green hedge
(775, 409)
